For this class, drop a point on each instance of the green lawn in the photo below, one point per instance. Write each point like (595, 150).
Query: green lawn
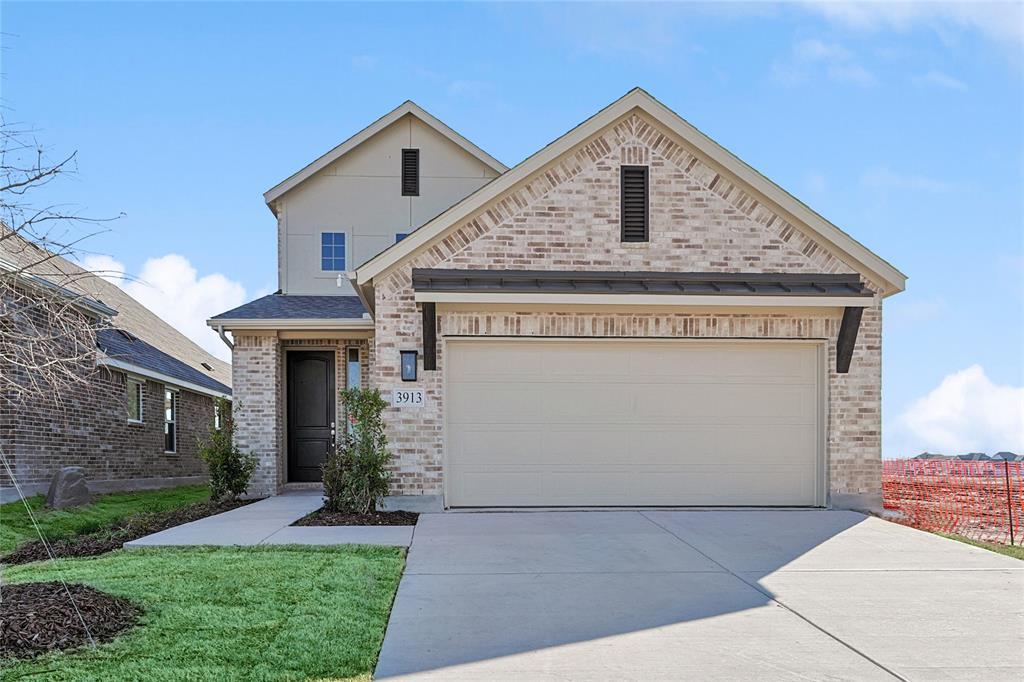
(1017, 552)
(16, 528)
(284, 613)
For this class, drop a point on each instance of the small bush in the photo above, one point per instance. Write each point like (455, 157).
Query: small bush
(229, 469)
(355, 473)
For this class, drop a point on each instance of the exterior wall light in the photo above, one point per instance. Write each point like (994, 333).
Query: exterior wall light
(409, 364)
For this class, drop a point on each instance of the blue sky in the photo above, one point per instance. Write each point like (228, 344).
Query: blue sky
(904, 125)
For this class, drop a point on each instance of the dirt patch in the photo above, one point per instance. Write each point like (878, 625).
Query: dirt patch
(326, 518)
(111, 538)
(39, 617)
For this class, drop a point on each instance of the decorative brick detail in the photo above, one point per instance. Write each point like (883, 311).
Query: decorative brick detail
(566, 217)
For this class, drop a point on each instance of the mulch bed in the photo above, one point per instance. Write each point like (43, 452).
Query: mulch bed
(39, 617)
(381, 518)
(111, 538)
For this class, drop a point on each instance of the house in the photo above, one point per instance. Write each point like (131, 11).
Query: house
(630, 316)
(136, 400)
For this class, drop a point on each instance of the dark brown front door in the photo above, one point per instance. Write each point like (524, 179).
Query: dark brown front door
(310, 413)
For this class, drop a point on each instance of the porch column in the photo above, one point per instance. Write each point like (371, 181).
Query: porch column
(257, 407)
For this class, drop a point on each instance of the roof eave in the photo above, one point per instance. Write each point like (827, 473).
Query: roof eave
(106, 361)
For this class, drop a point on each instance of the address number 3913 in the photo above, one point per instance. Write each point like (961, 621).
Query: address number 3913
(407, 398)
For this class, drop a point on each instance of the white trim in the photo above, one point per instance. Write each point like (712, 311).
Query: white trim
(139, 396)
(407, 107)
(320, 323)
(650, 300)
(842, 243)
(165, 379)
(174, 410)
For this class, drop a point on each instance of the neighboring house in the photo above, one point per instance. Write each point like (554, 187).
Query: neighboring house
(144, 392)
(630, 316)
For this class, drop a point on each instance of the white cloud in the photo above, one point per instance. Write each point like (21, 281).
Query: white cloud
(104, 266)
(940, 80)
(884, 178)
(1002, 22)
(469, 88)
(965, 413)
(811, 57)
(171, 287)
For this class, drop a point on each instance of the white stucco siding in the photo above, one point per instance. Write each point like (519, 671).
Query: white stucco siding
(360, 195)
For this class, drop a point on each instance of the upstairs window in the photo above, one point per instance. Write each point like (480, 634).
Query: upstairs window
(332, 251)
(399, 236)
(134, 396)
(410, 172)
(634, 204)
(170, 421)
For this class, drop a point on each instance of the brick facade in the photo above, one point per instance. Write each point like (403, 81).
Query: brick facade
(566, 217)
(259, 408)
(87, 425)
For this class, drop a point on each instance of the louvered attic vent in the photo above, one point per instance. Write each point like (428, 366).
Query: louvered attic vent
(410, 172)
(634, 204)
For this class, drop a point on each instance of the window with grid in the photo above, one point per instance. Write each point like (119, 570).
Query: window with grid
(134, 390)
(170, 420)
(332, 251)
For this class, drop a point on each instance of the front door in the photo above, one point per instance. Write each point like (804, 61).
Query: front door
(310, 413)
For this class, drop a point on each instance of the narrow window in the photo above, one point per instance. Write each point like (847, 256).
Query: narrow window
(134, 390)
(400, 236)
(170, 420)
(410, 172)
(332, 251)
(217, 423)
(354, 371)
(634, 209)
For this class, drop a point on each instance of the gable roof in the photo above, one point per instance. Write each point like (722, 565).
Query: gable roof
(132, 316)
(406, 108)
(821, 229)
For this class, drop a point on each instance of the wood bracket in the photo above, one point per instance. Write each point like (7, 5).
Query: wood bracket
(429, 336)
(847, 338)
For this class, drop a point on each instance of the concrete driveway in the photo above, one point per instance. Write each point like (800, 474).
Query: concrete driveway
(704, 595)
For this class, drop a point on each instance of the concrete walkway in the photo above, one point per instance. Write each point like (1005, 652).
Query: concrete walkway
(268, 522)
(712, 595)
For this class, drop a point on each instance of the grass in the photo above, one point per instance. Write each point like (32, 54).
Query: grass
(16, 528)
(1017, 552)
(262, 614)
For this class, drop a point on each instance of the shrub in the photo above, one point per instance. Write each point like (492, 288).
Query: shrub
(229, 469)
(355, 473)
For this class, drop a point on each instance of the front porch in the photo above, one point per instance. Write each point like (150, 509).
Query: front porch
(290, 357)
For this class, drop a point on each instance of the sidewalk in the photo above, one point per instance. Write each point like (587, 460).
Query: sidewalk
(268, 522)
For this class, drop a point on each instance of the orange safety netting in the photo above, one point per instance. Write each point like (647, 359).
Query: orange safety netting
(973, 499)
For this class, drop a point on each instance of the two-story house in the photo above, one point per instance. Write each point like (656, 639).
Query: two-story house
(630, 316)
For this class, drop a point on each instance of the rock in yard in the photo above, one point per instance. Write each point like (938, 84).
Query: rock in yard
(68, 489)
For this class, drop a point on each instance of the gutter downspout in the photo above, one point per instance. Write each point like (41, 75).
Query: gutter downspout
(224, 337)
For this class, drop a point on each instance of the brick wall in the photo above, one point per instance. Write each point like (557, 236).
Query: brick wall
(85, 424)
(566, 217)
(258, 379)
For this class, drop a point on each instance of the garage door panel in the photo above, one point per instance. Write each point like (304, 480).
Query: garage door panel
(632, 423)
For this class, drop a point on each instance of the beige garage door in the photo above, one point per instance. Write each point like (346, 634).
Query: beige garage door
(580, 422)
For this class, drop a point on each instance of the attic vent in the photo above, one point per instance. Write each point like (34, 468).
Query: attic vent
(410, 172)
(634, 204)
(128, 335)
(207, 367)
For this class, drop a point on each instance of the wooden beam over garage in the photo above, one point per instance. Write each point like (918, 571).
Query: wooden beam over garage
(429, 336)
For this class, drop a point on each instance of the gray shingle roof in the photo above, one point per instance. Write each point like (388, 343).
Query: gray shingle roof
(595, 282)
(289, 307)
(131, 315)
(126, 347)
